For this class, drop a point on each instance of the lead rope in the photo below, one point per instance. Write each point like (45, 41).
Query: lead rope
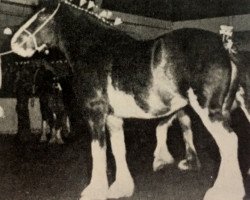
(32, 101)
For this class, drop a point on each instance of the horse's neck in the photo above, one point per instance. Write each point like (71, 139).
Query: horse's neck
(81, 33)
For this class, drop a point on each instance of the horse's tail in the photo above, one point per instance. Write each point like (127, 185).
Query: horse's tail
(232, 89)
(242, 62)
(227, 33)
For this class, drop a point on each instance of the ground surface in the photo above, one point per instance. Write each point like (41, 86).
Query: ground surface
(33, 171)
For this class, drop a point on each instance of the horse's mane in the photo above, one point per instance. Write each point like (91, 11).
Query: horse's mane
(90, 13)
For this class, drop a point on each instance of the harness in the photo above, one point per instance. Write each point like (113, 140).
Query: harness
(32, 35)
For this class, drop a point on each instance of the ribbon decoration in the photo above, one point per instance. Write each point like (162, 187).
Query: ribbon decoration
(91, 5)
(227, 34)
(106, 14)
(82, 2)
(118, 21)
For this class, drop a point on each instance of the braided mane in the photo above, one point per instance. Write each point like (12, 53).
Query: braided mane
(93, 14)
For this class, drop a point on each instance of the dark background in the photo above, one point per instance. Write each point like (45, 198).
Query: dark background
(177, 10)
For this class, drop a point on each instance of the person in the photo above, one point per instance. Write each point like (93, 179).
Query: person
(23, 92)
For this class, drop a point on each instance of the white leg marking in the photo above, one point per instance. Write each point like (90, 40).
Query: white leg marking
(44, 132)
(162, 156)
(68, 124)
(191, 154)
(240, 99)
(53, 136)
(98, 187)
(229, 182)
(124, 184)
(59, 136)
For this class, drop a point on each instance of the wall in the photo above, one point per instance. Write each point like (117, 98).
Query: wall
(11, 15)
(9, 122)
(148, 28)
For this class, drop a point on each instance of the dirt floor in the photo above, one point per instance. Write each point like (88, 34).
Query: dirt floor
(34, 171)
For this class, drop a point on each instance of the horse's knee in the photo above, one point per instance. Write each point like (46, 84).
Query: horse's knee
(114, 123)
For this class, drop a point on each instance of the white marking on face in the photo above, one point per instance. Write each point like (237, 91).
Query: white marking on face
(18, 47)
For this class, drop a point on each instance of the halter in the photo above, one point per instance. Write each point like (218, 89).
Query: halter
(32, 35)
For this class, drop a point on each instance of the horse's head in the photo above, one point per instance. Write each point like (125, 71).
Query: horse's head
(37, 34)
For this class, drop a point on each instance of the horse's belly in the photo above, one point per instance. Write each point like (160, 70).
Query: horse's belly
(125, 106)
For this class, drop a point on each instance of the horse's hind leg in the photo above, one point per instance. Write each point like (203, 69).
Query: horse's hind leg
(191, 161)
(162, 156)
(229, 182)
(240, 98)
(43, 137)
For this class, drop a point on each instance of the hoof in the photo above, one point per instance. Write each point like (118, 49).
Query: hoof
(52, 140)
(94, 192)
(121, 189)
(43, 139)
(189, 165)
(56, 140)
(162, 161)
(59, 141)
(224, 194)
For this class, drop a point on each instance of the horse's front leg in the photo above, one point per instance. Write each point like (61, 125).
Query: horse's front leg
(124, 184)
(98, 186)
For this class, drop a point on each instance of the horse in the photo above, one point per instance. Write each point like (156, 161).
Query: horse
(53, 111)
(118, 77)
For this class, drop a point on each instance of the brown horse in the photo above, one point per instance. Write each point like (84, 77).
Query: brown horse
(119, 77)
